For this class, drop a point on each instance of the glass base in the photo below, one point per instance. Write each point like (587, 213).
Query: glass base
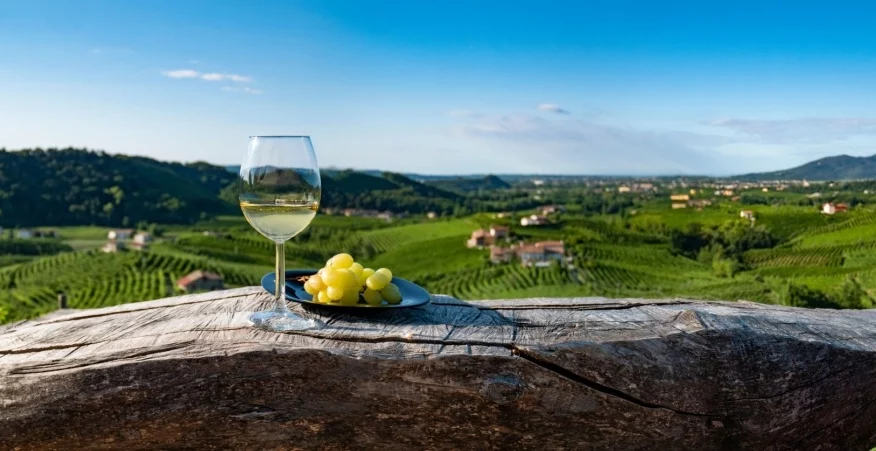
(283, 321)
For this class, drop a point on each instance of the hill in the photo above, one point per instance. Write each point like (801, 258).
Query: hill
(78, 187)
(840, 167)
(389, 191)
(466, 184)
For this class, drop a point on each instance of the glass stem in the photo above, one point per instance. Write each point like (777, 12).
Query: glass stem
(280, 279)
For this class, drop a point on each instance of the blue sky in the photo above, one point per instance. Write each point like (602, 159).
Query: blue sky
(447, 87)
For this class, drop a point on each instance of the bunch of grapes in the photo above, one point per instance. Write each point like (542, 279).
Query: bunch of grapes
(344, 281)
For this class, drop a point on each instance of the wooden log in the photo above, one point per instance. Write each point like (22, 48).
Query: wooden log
(189, 372)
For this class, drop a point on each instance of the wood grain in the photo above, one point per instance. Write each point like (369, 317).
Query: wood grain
(189, 372)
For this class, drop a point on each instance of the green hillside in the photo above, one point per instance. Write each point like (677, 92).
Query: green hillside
(76, 186)
(840, 167)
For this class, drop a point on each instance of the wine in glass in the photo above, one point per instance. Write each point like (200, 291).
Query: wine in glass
(279, 196)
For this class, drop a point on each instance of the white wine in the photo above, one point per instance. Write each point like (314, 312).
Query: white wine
(278, 221)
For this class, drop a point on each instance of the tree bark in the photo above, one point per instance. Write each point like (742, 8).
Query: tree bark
(189, 372)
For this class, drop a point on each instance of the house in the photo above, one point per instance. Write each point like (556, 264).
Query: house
(503, 214)
(119, 234)
(480, 238)
(533, 220)
(113, 246)
(766, 190)
(623, 189)
(431, 215)
(25, 234)
(551, 209)
(680, 198)
(200, 281)
(747, 214)
(727, 192)
(499, 231)
(678, 205)
(830, 208)
(501, 254)
(540, 254)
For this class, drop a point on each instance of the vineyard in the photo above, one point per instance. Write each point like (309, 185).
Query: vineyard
(609, 258)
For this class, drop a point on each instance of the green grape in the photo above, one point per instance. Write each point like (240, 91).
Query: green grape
(357, 269)
(310, 289)
(350, 298)
(328, 263)
(342, 261)
(332, 277)
(335, 293)
(347, 279)
(385, 272)
(316, 282)
(323, 297)
(391, 293)
(372, 297)
(377, 281)
(366, 273)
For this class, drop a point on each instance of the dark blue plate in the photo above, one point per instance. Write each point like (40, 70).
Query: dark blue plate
(412, 294)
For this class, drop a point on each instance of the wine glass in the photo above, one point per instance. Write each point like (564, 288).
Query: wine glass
(279, 195)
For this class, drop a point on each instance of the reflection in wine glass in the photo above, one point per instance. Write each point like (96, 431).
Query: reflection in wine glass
(279, 195)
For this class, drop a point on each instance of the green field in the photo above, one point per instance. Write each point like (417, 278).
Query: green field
(611, 256)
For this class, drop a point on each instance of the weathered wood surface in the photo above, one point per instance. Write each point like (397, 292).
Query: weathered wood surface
(189, 372)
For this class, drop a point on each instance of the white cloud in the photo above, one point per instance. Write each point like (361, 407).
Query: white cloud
(553, 108)
(216, 76)
(181, 73)
(209, 76)
(249, 90)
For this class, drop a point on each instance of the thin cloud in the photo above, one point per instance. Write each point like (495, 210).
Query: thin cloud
(245, 89)
(181, 73)
(216, 76)
(209, 76)
(798, 130)
(553, 108)
(590, 147)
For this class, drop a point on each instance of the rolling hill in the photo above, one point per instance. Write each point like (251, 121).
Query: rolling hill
(840, 167)
(81, 187)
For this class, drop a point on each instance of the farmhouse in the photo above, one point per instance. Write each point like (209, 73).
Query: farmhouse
(540, 254)
(113, 246)
(499, 231)
(534, 220)
(25, 234)
(678, 205)
(747, 214)
(830, 209)
(120, 234)
(679, 197)
(200, 281)
(480, 238)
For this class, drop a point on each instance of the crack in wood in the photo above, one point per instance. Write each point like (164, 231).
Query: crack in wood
(575, 377)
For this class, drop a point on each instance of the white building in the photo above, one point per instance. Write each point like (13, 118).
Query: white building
(25, 234)
(119, 234)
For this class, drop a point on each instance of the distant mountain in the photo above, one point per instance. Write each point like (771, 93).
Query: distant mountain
(77, 186)
(465, 184)
(841, 167)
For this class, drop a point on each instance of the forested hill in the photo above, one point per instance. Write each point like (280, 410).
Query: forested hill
(470, 184)
(389, 191)
(840, 167)
(77, 186)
